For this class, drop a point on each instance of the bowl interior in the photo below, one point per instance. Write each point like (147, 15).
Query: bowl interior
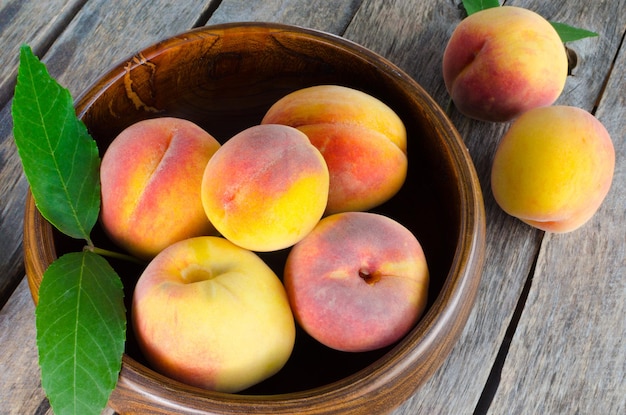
(224, 79)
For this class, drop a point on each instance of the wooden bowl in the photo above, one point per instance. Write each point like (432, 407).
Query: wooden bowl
(224, 78)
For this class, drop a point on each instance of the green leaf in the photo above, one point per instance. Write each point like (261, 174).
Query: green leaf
(81, 329)
(569, 33)
(59, 157)
(473, 6)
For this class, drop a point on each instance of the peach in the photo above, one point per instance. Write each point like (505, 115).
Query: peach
(553, 168)
(150, 177)
(357, 282)
(265, 188)
(362, 140)
(503, 61)
(213, 315)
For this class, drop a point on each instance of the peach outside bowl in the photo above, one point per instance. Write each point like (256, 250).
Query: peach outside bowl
(224, 78)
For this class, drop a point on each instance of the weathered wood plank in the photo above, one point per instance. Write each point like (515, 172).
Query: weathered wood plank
(568, 354)
(12, 196)
(20, 384)
(323, 15)
(36, 23)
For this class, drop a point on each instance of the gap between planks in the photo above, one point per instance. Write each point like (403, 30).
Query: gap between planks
(493, 380)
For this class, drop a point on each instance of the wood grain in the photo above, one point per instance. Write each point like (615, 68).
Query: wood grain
(321, 15)
(34, 23)
(20, 384)
(568, 352)
(12, 197)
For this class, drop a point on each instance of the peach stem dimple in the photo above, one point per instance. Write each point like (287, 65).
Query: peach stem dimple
(195, 273)
(368, 277)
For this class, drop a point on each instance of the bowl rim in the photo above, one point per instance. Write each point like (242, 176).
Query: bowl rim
(451, 307)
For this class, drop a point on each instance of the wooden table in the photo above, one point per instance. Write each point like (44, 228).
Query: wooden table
(547, 333)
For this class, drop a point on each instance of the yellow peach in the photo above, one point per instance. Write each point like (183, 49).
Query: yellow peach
(553, 168)
(265, 188)
(213, 315)
(150, 177)
(362, 140)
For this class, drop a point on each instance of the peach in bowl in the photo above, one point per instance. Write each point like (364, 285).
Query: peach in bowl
(225, 78)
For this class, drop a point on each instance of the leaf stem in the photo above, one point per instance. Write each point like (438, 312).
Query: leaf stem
(113, 254)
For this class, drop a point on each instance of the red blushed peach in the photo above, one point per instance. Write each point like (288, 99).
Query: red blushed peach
(266, 187)
(365, 171)
(362, 140)
(553, 168)
(213, 315)
(503, 61)
(357, 282)
(151, 176)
